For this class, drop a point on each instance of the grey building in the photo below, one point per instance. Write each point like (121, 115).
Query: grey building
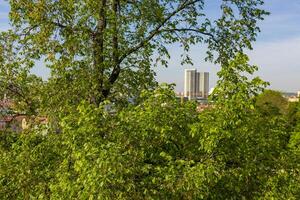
(196, 84)
(190, 77)
(203, 84)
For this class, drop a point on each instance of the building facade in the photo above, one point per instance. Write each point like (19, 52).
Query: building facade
(196, 84)
(203, 84)
(190, 83)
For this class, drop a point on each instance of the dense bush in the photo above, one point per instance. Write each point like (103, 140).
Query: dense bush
(159, 149)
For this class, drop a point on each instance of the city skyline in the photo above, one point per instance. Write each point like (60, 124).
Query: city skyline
(276, 50)
(196, 84)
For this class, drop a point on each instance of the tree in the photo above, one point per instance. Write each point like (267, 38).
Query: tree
(272, 102)
(98, 50)
(28, 164)
(293, 114)
(160, 148)
(157, 148)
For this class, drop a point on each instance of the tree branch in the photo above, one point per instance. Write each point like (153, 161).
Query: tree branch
(156, 30)
(62, 26)
(190, 30)
(17, 91)
(115, 41)
(98, 50)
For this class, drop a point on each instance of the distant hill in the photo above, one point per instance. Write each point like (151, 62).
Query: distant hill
(289, 94)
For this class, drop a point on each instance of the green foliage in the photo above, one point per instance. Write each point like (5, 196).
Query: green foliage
(158, 149)
(100, 146)
(16, 82)
(103, 50)
(27, 164)
(272, 102)
(293, 114)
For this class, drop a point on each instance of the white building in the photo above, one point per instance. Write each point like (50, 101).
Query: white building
(190, 77)
(196, 84)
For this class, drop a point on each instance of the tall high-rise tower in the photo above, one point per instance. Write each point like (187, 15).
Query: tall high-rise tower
(196, 84)
(190, 83)
(203, 84)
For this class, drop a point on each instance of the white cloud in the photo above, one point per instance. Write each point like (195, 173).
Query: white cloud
(279, 63)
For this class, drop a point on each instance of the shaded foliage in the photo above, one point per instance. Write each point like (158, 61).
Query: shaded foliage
(272, 102)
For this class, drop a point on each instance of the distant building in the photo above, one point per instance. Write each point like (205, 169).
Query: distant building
(291, 96)
(9, 120)
(14, 123)
(190, 83)
(196, 84)
(293, 99)
(288, 94)
(203, 84)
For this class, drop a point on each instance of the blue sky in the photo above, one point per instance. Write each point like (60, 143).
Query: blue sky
(276, 51)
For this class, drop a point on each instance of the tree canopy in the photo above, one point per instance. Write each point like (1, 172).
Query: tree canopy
(272, 102)
(112, 132)
(104, 50)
